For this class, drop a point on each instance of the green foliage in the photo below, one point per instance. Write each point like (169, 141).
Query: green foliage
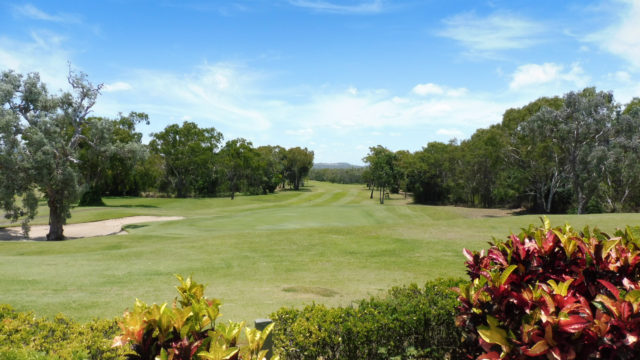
(297, 164)
(188, 152)
(577, 153)
(24, 336)
(410, 322)
(111, 158)
(338, 176)
(382, 170)
(554, 293)
(239, 161)
(187, 331)
(41, 136)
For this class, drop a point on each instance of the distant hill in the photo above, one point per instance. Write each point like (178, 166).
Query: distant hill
(340, 165)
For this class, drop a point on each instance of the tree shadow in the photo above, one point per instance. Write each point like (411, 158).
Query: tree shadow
(133, 226)
(132, 206)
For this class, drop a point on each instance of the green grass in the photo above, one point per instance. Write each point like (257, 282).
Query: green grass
(331, 245)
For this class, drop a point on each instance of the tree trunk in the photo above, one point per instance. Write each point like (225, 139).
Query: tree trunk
(56, 219)
(371, 197)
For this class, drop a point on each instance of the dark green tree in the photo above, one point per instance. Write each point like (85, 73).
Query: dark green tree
(188, 152)
(297, 164)
(381, 166)
(110, 157)
(238, 162)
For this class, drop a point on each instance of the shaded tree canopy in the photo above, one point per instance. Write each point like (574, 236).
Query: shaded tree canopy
(41, 136)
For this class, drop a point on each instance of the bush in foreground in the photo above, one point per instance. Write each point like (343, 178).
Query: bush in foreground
(409, 323)
(24, 336)
(554, 293)
(187, 330)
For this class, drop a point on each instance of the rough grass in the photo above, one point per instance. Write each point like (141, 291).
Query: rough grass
(331, 245)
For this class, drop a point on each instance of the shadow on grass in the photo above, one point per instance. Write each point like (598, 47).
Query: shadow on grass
(132, 206)
(133, 226)
(314, 290)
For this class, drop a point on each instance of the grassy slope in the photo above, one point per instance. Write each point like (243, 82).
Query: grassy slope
(331, 244)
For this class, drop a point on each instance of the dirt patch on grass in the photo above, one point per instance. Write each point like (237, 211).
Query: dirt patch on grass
(312, 290)
(83, 230)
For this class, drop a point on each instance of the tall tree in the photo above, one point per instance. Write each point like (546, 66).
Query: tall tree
(44, 132)
(108, 163)
(272, 167)
(238, 161)
(298, 161)
(188, 153)
(538, 160)
(621, 165)
(381, 166)
(583, 127)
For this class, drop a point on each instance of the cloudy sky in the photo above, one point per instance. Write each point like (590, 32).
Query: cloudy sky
(333, 76)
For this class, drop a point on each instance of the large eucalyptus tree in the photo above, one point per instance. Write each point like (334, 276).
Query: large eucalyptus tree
(40, 134)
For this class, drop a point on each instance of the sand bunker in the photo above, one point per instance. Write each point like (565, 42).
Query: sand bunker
(83, 230)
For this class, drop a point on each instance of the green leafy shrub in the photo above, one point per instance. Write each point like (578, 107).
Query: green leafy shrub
(410, 322)
(554, 293)
(24, 336)
(186, 330)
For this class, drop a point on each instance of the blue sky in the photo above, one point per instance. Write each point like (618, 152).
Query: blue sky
(334, 76)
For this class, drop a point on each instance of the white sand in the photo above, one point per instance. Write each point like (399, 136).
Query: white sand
(83, 230)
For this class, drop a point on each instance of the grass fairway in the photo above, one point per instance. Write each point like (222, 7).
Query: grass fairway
(329, 244)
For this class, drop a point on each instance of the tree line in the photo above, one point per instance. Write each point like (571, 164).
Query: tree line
(51, 148)
(351, 175)
(577, 153)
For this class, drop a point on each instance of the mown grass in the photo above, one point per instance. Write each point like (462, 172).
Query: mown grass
(331, 245)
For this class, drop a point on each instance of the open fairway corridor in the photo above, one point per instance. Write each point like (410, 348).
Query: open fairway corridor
(328, 243)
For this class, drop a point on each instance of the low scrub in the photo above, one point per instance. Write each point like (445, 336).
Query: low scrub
(409, 323)
(23, 336)
(554, 293)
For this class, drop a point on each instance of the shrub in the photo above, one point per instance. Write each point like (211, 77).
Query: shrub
(24, 336)
(410, 322)
(187, 331)
(554, 293)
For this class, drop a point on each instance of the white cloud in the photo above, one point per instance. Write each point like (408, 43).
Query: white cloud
(427, 89)
(300, 132)
(220, 95)
(352, 90)
(498, 31)
(372, 110)
(116, 86)
(451, 133)
(433, 89)
(457, 92)
(44, 53)
(622, 38)
(531, 75)
(32, 12)
(372, 7)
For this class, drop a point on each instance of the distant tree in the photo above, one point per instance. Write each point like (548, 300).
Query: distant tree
(109, 158)
(583, 128)
(381, 166)
(41, 135)
(538, 159)
(620, 167)
(483, 160)
(404, 161)
(238, 161)
(188, 153)
(432, 172)
(297, 163)
(272, 167)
